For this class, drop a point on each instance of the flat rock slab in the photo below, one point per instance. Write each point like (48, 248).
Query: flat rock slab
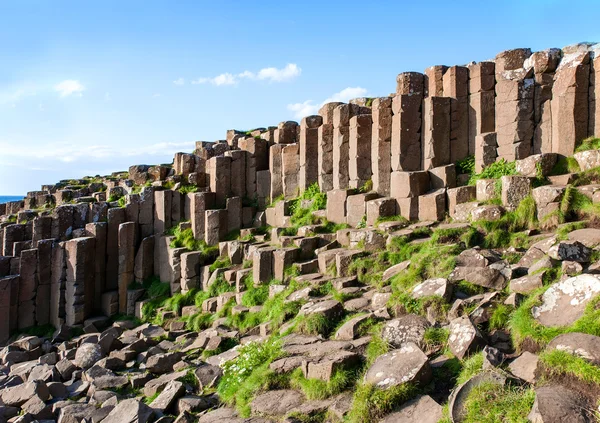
(579, 344)
(406, 364)
(420, 410)
(486, 277)
(438, 287)
(525, 367)
(130, 411)
(564, 302)
(588, 237)
(559, 404)
(276, 403)
(407, 328)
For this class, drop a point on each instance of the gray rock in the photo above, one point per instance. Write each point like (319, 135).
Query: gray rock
(422, 409)
(166, 399)
(579, 344)
(20, 394)
(407, 328)
(276, 403)
(570, 250)
(162, 363)
(564, 302)
(464, 337)
(87, 355)
(526, 367)
(403, 365)
(130, 411)
(556, 403)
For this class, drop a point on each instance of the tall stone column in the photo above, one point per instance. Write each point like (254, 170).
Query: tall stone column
(44, 273)
(514, 105)
(456, 86)
(79, 286)
(309, 147)
(406, 122)
(341, 146)
(219, 170)
(286, 133)
(57, 285)
(482, 99)
(381, 147)
(199, 203)
(99, 232)
(275, 169)
(127, 243)
(325, 147)
(116, 216)
(5, 316)
(359, 167)
(290, 168)
(544, 65)
(570, 103)
(238, 172)
(434, 81)
(436, 132)
(28, 288)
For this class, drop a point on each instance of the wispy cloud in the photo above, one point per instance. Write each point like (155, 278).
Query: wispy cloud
(308, 107)
(69, 87)
(179, 81)
(13, 95)
(271, 74)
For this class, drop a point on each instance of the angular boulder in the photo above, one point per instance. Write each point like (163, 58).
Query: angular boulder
(407, 364)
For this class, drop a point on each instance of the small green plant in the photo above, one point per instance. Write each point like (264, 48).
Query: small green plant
(558, 363)
(495, 171)
(591, 143)
(370, 403)
(317, 389)
(188, 189)
(466, 166)
(491, 403)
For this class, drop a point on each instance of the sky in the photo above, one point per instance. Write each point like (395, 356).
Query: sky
(89, 88)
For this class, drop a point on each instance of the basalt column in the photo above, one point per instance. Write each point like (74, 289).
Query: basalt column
(456, 86)
(325, 150)
(381, 144)
(79, 255)
(309, 147)
(406, 122)
(341, 146)
(359, 166)
(290, 168)
(482, 99)
(514, 105)
(544, 65)
(570, 101)
(436, 132)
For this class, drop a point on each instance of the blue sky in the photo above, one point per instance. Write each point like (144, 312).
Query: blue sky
(92, 87)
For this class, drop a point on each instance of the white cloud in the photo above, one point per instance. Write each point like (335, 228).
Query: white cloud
(69, 87)
(289, 72)
(179, 81)
(13, 95)
(308, 107)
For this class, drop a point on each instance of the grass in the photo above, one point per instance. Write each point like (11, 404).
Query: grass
(188, 189)
(470, 367)
(377, 346)
(500, 316)
(369, 404)
(523, 326)
(565, 165)
(558, 363)
(494, 171)
(493, 403)
(396, 218)
(220, 263)
(591, 143)
(185, 239)
(465, 166)
(314, 324)
(317, 389)
(249, 374)
(436, 337)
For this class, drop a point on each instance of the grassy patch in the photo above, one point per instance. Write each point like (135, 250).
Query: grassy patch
(558, 363)
(523, 326)
(317, 389)
(465, 166)
(492, 403)
(436, 337)
(185, 239)
(370, 404)
(591, 143)
(500, 316)
(470, 367)
(495, 171)
(249, 374)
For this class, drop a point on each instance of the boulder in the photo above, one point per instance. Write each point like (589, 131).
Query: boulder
(162, 363)
(407, 328)
(87, 355)
(579, 344)
(130, 411)
(422, 409)
(486, 277)
(555, 403)
(408, 364)
(526, 367)
(276, 403)
(349, 330)
(438, 287)
(464, 337)
(564, 302)
(527, 284)
(589, 237)
(570, 250)
(16, 396)
(166, 399)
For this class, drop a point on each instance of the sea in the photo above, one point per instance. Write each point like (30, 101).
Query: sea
(7, 198)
